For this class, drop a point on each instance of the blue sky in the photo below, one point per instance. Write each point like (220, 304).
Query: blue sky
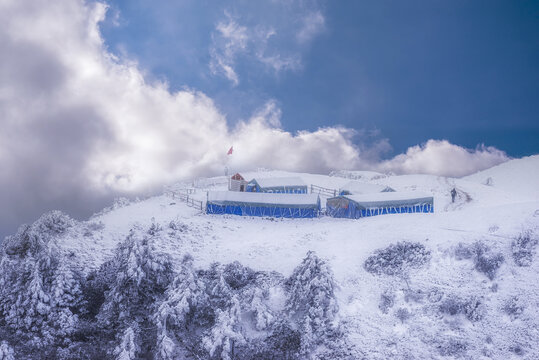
(465, 71)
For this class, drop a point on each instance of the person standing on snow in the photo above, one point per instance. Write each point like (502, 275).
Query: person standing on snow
(453, 195)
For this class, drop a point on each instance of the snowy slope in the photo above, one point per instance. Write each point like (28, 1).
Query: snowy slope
(494, 215)
(518, 177)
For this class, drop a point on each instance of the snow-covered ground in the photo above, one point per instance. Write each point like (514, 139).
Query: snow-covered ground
(492, 211)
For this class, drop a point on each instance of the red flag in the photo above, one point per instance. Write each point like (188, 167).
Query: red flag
(230, 150)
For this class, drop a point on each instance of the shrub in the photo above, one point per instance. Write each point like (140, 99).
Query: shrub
(463, 251)
(403, 314)
(451, 306)
(484, 261)
(523, 249)
(514, 307)
(397, 259)
(488, 264)
(472, 308)
(516, 349)
(387, 300)
(452, 347)
(413, 295)
(435, 295)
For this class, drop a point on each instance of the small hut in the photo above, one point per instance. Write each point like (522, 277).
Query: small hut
(237, 183)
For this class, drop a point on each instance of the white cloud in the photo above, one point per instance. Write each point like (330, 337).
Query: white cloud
(440, 157)
(312, 24)
(274, 35)
(230, 40)
(279, 63)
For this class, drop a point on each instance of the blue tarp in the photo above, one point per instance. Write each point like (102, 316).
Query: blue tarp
(355, 207)
(261, 204)
(246, 210)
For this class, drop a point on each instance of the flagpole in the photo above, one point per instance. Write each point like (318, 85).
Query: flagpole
(226, 165)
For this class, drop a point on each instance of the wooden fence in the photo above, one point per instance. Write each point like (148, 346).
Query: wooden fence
(315, 189)
(184, 196)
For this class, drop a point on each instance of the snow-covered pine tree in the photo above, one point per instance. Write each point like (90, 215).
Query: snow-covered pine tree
(227, 332)
(263, 316)
(142, 278)
(184, 299)
(66, 297)
(166, 349)
(311, 301)
(217, 288)
(28, 316)
(32, 275)
(66, 287)
(128, 348)
(6, 352)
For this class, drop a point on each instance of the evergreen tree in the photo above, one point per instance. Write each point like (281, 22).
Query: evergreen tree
(127, 349)
(166, 348)
(263, 316)
(311, 300)
(28, 314)
(141, 280)
(218, 290)
(6, 352)
(184, 300)
(66, 298)
(227, 333)
(37, 287)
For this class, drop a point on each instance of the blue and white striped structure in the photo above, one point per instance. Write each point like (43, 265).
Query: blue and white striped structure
(357, 206)
(263, 204)
(285, 185)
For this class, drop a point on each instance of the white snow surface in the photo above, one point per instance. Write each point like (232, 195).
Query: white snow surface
(269, 182)
(494, 215)
(360, 187)
(518, 177)
(408, 197)
(266, 198)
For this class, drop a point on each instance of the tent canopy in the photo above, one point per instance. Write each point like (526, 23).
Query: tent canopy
(396, 198)
(359, 187)
(281, 184)
(263, 199)
(263, 204)
(357, 206)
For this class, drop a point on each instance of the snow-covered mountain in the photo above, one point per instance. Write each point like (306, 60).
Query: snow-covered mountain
(458, 283)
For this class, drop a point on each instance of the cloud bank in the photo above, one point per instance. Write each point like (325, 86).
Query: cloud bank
(79, 124)
(440, 157)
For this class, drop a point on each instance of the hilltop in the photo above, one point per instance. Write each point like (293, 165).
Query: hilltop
(416, 314)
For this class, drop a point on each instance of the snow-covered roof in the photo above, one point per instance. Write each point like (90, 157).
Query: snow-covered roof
(237, 176)
(359, 187)
(396, 198)
(227, 197)
(272, 182)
